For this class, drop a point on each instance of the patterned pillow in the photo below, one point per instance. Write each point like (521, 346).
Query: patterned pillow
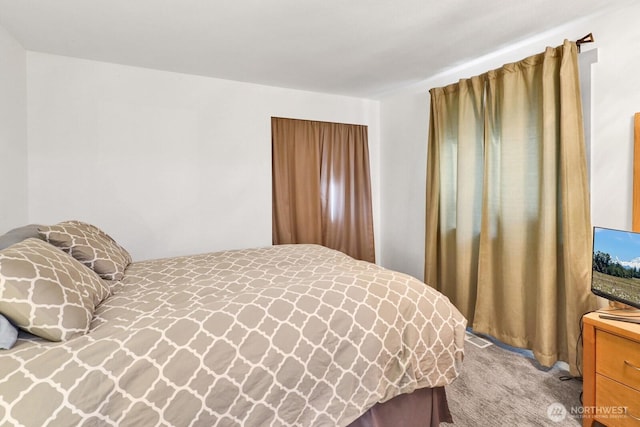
(89, 245)
(46, 292)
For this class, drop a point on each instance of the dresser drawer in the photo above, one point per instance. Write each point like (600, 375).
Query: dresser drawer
(616, 404)
(618, 358)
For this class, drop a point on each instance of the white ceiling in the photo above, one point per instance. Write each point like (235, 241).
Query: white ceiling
(353, 47)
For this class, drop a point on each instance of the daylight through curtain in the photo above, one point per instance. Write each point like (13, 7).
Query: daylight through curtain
(321, 186)
(508, 219)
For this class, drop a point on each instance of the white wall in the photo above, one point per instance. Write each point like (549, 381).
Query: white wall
(615, 99)
(166, 163)
(13, 133)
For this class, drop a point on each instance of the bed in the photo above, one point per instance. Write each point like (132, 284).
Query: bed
(287, 335)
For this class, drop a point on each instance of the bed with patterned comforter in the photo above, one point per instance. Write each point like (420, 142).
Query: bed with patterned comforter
(277, 336)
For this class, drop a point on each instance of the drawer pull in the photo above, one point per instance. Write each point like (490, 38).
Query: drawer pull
(626, 411)
(626, 362)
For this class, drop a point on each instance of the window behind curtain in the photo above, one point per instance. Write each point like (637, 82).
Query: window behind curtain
(513, 254)
(321, 186)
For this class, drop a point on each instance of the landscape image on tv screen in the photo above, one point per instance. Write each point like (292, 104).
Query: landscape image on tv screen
(616, 265)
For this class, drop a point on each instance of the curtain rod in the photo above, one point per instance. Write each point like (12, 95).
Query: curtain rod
(586, 39)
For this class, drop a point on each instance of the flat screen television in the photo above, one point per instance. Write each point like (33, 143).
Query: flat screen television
(616, 265)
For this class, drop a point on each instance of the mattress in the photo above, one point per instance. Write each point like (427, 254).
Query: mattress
(276, 336)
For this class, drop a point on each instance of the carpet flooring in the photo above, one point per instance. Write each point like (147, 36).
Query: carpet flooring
(500, 387)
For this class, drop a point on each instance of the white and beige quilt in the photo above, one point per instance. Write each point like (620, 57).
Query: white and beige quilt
(280, 336)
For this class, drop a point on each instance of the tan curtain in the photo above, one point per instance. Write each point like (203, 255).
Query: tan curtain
(454, 191)
(321, 186)
(517, 263)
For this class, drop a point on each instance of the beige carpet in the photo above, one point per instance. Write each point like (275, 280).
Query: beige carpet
(499, 387)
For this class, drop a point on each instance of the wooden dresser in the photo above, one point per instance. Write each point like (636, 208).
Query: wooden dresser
(611, 372)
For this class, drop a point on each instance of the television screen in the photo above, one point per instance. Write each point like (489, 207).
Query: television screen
(616, 265)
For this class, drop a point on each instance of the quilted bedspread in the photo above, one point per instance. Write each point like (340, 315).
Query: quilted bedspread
(278, 336)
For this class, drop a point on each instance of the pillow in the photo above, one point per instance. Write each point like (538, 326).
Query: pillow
(89, 245)
(46, 292)
(8, 333)
(16, 235)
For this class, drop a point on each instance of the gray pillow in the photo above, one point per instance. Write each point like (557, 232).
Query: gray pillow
(19, 234)
(8, 333)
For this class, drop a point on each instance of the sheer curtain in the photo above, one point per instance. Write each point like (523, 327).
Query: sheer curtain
(508, 235)
(321, 186)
